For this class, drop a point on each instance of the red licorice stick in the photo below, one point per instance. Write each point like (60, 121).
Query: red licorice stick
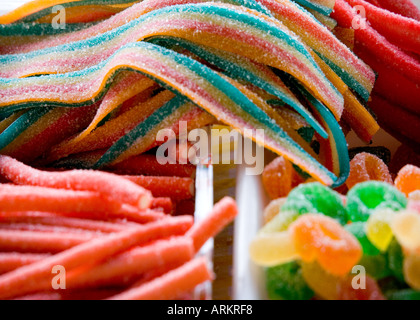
(22, 226)
(223, 213)
(176, 188)
(66, 222)
(375, 3)
(29, 198)
(391, 84)
(394, 117)
(71, 203)
(33, 241)
(107, 184)
(403, 7)
(130, 265)
(23, 280)
(385, 51)
(163, 204)
(77, 295)
(402, 31)
(147, 164)
(12, 260)
(172, 284)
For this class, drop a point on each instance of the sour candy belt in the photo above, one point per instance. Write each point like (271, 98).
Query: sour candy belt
(245, 32)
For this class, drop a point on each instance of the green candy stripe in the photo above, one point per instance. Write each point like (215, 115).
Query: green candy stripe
(204, 9)
(241, 104)
(340, 142)
(315, 6)
(347, 78)
(259, 116)
(124, 143)
(237, 68)
(39, 29)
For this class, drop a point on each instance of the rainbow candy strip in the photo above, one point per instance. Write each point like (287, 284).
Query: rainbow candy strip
(37, 10)
(27, 138)
(143, 136)
(192, 79)
(337, 144)
(322, 6)
(115, 129)
(220, 26)
(354, 72)
(237, 67)
(24, 43)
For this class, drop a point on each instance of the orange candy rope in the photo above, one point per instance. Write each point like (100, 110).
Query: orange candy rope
(365, 167)
(107, 184)
(323, 239)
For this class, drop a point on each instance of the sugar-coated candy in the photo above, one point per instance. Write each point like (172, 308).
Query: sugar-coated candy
(285, 282)
(139, 50)
(320, 281)
(369, 291)
(408, 179)
(277, 178)
(271, 249)
(365, 167)
(273, 209)
(370, 38)
(405, 8)
(316, 198)
(405, 36)
(366, 197)
(378, 228)
(412, 270)
(358, 229)
(322, 239)
(414, 201)
(406, 226)
(280, 222)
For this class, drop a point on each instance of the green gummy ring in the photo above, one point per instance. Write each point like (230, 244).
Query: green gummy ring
(366, 197)
(316, 198)
(285, 282)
